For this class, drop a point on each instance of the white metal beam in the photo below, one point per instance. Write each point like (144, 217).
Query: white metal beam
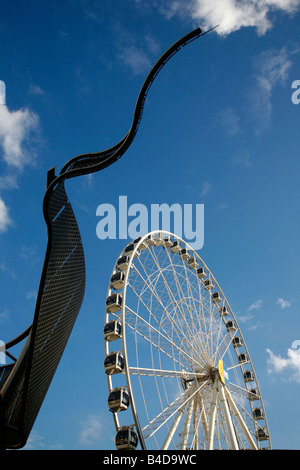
(240, 419)
(212, 416)
(231, 432)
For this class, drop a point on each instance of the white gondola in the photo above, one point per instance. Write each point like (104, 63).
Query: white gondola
(167, 242)
(117, 280)
(142, 245)
(184, 254)
(118, 400)
(150, 240)
(216, 297)
(237, 342)
(258, 413)
(129, 250)
(126, 438)
(230, 326)
(253, 395)
(242, 358)
(114, 363)
(261, 435)
(112, 330)
(248, 376)
(208, 284)
(158, 239)
(114, 302)
(192, 262)
(224, 311)
(201, 273)
(122, 262)
(175, 247)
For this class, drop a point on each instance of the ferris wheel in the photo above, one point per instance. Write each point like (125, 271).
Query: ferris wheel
(178, 369)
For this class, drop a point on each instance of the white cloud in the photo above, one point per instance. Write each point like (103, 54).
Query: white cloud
(271, 70)
(283, 303)
(291, 363)
(230, 15)
(35, 441)
(205, 189)
(36, 90)
(5, 269)
(230, 121)
(5, 220)
(255, 305)
(15, 129)
(91, 429)
(242, 159)
(136, 58)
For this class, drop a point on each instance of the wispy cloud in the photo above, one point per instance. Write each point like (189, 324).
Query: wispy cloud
(5, 220)
(290, 363)
(205, 189)
(229, 120)
(91, 429)
(241, 159)
(283, 303)
(257, 304)
(36, 90)
(35, 441)
(137, 53)
(4, 314)
(271, 70)
(8, 271)
(136, 59)
(230, 15)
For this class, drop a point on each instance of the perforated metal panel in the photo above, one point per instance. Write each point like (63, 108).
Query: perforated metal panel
(59, 301)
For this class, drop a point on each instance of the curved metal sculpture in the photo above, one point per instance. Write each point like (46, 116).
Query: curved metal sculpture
(25, 381)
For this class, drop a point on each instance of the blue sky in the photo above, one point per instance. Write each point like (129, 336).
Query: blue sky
(219, 128)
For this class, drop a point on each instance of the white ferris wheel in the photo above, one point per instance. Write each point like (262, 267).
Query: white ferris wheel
(178, 369)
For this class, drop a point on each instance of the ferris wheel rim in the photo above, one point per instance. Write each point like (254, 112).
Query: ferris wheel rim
(128, 369)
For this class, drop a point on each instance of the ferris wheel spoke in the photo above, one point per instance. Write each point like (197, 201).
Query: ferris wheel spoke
(176, 296)
(158, 339)
(197, 327)
(170, 411)
(175, 330)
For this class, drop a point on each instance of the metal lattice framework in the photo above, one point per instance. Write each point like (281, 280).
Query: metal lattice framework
(24, 381)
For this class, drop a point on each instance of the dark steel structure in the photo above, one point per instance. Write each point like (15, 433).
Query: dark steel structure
(24, 381)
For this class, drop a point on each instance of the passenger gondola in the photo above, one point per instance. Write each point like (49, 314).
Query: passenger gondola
(114, 363)
(117, 280)
(126, 438)
(118, 400)
(114, 302)
(112, 330)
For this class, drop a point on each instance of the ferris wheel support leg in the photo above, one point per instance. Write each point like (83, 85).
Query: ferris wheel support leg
(173, 428)
(229, 424)
(187, 424)
(240, 420)
(212, 417)
(203, 416)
